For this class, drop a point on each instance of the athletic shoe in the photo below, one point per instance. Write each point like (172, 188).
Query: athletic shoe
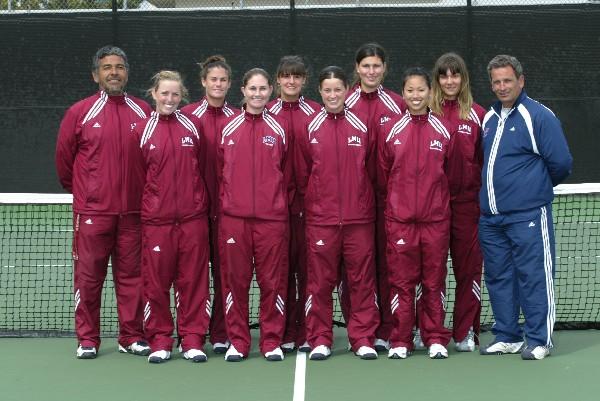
(320, 353)
(233, 355)
(381, 345)
(304, 347)
(195, 355)
(288, 347)
(159, 356)
(501, 348)
(438, 351)
(418, 341)
(137, 348)
(86, 352)
(467, 344)
(398, 353)
(221, 348)
(367, 353)
(535, 352)
(275, 355)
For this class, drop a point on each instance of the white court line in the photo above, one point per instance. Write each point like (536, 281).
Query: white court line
(300, 376)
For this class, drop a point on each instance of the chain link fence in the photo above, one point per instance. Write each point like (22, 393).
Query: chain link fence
(154, 5)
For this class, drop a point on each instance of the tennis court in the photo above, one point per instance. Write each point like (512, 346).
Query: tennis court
(46, 369)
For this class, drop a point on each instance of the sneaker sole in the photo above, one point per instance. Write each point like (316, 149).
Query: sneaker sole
(156, 360)
(318, 357)
(439, 355)
(368, 357)
(274, 358)
(87, 356)
(234, 358)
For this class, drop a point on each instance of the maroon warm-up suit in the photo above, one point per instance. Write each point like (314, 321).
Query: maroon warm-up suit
(413, 154)
(175, 231)
(379, 107)
(336, 169)
(465, 175)
(208, 119)
(93, 162)
(296, 113)
(254, 190)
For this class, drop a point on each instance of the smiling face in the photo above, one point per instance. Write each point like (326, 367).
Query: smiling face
(216, 85)
(370, 70)
(167, 96)
(450, 83)
(256, 93)
(291, 86)
(111, 75)
(506, 85)
(416, 94)
(333, 92)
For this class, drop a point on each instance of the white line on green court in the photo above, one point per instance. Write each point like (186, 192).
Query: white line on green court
(299, 376)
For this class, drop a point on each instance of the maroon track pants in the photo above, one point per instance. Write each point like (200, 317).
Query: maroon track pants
(417, 253)
(176, 255)
(248, 245)
(326, 247)
(96, 238)
(467, 263)
(217, 329)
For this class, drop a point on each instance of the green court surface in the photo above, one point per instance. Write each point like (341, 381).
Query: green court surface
(46, 369)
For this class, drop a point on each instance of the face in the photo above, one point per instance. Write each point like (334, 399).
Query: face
(167, 96)
(416, 94)
(506, 85)
(216, 85)
(450, 84)
(256, 93)
(291, 86)
(333, 92)
(111, 75)
(370, 71)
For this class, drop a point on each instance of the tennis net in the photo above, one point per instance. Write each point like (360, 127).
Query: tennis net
(36, 268)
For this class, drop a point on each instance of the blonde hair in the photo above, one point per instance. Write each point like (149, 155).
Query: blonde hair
(456, 65)
(166, 75)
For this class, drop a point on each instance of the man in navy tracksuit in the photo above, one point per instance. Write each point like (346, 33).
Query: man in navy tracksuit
(525, 156)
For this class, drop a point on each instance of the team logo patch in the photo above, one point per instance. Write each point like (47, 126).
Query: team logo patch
(269, 140)
(464, 129)
(384, 120)
(354, 141)
(435, 145)
(187, 141)
(485, 132)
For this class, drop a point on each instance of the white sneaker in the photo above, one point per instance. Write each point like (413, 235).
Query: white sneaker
(159, 356)
(467, 344)
(500, 348)
(220, 348)
(86, 352)
(438, 351)
(320, 353)
(275, 355)
(136, 348)
(381, 345)
(304, 347)
(398, 353)
(288, 347)
(418, 341)
(535, 353)
(233, 355)
(195, 355)
(367, 353)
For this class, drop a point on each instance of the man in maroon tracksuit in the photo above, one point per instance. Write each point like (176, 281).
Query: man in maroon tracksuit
(93, 161)
(211, 112)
